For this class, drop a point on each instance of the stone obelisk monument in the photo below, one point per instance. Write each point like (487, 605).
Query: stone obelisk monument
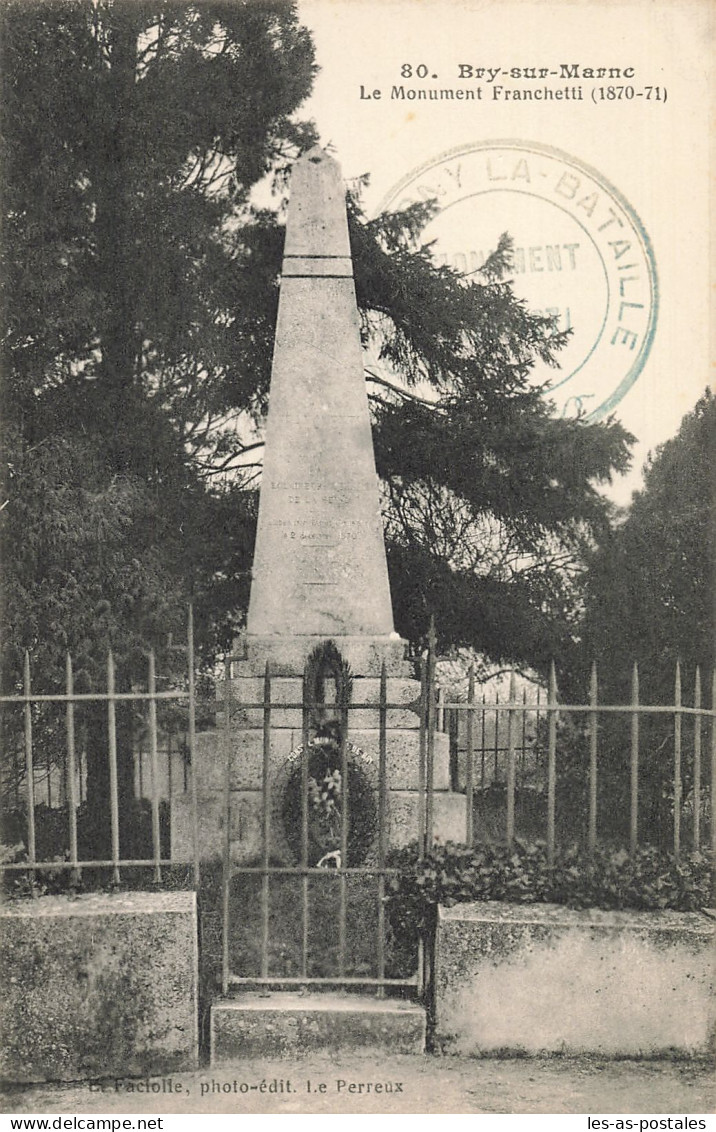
(319, 569)
(319, 563)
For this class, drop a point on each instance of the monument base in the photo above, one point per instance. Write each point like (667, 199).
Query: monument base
(241, 768)
(247, 798)
(287, 655)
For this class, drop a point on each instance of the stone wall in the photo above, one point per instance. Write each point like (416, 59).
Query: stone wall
(536, 978)
(98, 986)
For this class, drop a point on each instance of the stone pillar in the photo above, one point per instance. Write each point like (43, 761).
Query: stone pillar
(319, 563)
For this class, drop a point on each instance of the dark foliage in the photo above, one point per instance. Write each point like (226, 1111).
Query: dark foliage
(649, 880)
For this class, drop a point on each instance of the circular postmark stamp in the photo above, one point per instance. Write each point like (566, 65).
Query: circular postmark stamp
(581, 254)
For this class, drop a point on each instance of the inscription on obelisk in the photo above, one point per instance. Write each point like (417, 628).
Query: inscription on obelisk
(319, 563)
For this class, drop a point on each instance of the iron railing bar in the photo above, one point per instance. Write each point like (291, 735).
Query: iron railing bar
(345, 803)
(84, 697)
(427, 757)
(305, 720)
(510, 816)
(170, 776)
(382, 814)
(420, 977)
(484, 746)
(677, 762)
(470, 756)
(641, 709)
(634, 763)
(421, 758)
(697, 761)
(296, 706)
(113, 782)
(227, 870)
(430, 751)
(71, 769)
(593, 739)
(551, 760)
(314, 870)
(266, 823)
(523, 747)
(80, 697)
(495, 768)
(503, 750)
(191, 743)
(29, 767)
(321, 980)
(713, 789)
(154, 767)
(125, 862)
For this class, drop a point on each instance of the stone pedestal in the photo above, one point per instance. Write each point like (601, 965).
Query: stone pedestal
(543, 979)
(99, 985)
(245, 766)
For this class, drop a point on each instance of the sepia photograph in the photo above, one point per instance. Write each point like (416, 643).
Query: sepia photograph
(426, 824)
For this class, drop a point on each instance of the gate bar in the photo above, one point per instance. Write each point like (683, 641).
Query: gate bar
(113, 790)
(154, 764)
(343, 909)
(593, 733)
(511, 763)
(713, 786)
(228, 694)
(322, 980)
(71, 769)
(522, 765)
(192, 747)
(469, 766)
(634, 804)
(697, 761)
(497, 728)
(266, 825)
(551, 760)
(382, 818)
(430, 762)
(677, 761)
(29, 768)
(421, 758)
(483, 747)
(304, 824)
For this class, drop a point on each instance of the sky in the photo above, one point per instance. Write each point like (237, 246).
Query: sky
(634, 142)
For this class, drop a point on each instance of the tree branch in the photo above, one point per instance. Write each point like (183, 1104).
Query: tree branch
(371, 376)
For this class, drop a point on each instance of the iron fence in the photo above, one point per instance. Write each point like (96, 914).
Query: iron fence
(29, 701)
(678, 715)
(513, 738)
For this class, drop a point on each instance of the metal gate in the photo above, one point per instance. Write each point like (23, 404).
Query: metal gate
(277, 891)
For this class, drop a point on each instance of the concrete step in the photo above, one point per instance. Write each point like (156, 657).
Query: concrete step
(286, 1022)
